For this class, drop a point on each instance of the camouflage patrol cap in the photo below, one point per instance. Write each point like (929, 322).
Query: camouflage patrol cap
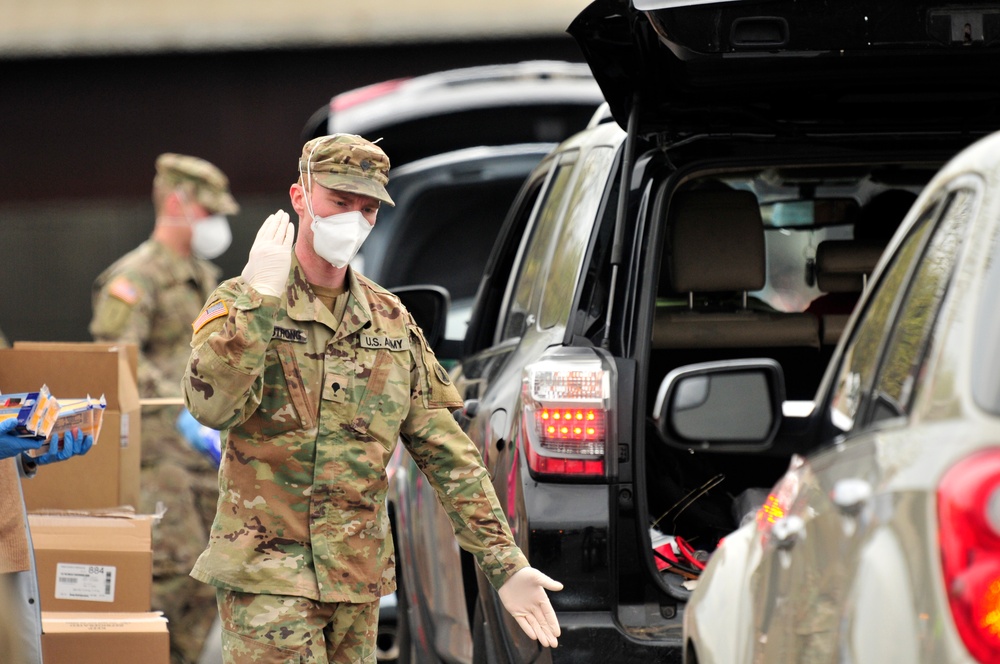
(346, 162)
(203, 180)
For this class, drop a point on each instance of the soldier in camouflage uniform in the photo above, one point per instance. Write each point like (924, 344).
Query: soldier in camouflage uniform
(149, 297)
(313, 372)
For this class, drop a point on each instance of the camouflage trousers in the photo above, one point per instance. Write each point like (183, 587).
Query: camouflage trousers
(279, 629)
(178, 539)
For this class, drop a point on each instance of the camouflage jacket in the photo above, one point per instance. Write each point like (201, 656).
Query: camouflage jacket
(312, 411)
(149, 297)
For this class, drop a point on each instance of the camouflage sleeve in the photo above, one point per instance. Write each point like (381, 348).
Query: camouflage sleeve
(223, 382)
(453, 466)
(123, 309)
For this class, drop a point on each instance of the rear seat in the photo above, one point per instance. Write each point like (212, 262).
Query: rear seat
(842, 269)
(715, 254)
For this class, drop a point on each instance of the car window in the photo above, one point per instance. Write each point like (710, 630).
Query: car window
(911, 333)
(573, 238)
(535, 253)
(902, 309)
(860, 359)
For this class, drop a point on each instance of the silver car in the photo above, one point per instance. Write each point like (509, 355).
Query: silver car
(881, 543)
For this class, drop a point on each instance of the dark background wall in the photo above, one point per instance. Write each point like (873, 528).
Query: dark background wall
(80, 136)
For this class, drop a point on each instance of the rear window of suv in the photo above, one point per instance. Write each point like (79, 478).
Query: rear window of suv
(573, 237)
(536, 251)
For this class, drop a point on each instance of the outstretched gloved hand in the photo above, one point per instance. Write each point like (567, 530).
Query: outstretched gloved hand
(524, 598)
(74, 443)
(271, 255)
(11, 444)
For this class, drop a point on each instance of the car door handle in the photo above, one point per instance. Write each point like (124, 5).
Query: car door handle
(786, 532)
(851, 494)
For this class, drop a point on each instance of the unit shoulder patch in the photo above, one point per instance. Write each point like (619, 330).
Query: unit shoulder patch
(209, 313)
(123, 289)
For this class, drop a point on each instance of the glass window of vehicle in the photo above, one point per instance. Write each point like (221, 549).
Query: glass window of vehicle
(903, 310)
(573, 238)
(534, 255)
(910, 335)
(860, 358)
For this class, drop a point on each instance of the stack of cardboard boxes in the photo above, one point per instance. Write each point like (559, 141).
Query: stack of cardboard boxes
(93, 554)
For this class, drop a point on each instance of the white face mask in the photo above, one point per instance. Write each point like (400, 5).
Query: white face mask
(210, 237)
(337, 238)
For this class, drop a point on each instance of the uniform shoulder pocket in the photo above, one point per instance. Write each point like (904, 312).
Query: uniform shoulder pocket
(439, 392)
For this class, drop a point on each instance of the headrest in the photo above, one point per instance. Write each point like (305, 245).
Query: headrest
(841, 265)
(715, 243)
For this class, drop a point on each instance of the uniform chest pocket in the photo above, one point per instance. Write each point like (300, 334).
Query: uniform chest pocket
(386, 398)
(284, 403)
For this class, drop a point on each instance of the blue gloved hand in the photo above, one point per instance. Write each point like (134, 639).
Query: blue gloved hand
(74, 443)
(11, 444)
(202, 438)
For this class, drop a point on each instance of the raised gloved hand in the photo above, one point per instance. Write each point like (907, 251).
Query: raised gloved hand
(271, 255)
(74, 443)
(200, 437)
(523, 595)
(11, 444)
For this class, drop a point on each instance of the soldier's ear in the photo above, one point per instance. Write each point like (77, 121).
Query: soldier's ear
(297, 195)
(173, 204)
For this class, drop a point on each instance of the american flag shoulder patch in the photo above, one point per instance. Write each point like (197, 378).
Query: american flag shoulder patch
(211, 312)
(124, 290)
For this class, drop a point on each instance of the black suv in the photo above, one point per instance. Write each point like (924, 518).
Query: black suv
(725, 213)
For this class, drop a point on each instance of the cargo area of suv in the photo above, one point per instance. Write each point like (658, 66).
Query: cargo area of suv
(759, 157)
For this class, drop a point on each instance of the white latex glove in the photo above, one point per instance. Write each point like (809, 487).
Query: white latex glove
(524, 598)
(271, 255)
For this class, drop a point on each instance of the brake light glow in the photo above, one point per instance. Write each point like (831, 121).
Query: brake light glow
(770, 511)
(565, 416)
(969, 538)
(779, 500)
(579, 430)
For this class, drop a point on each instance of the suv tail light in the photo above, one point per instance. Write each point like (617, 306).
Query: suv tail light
(566, 408)
(969, 537)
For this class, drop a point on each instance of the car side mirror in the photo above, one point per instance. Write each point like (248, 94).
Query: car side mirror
(429, 307)
(726, 406)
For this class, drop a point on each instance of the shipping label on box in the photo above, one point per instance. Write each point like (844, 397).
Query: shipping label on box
(94, 583)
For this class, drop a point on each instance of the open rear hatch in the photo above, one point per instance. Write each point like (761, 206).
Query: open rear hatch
(789, 67)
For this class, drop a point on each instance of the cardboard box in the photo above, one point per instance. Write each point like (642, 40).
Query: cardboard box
(108, 475)
(93, 563)
(103, 638)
